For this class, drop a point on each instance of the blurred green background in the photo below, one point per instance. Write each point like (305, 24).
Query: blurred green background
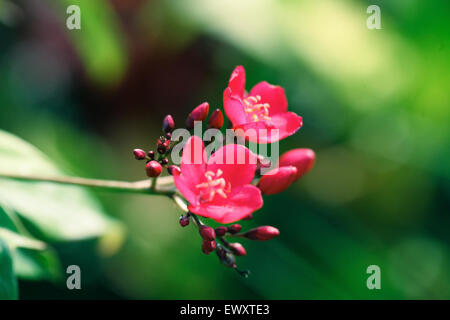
(375, 105)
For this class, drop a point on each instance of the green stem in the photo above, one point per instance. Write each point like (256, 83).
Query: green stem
(163, 186)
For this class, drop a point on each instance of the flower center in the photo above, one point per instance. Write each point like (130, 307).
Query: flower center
(214, 185)
(257, 111)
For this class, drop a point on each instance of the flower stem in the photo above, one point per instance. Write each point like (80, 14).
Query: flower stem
(179, 201)
(197, 220)
(163, 186)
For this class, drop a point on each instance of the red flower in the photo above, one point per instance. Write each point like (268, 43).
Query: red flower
(219, 188)
(265, 107)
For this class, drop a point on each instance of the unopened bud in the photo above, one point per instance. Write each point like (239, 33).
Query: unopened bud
(237, 248)
(174, 170)
(168, 124)
(235, 228)
(198, 114)
(216, 119)
(277, 180)
(164, 161)
(208, 246)
(262, 233)
(302, 159)
(139, 154)
(207, 233)
(153, 169)
(225, 256)
(162, 146)
(168, 136)
(184, 221)
(220, 231)
(151, 154)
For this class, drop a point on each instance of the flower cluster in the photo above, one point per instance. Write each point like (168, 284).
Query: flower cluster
(228, 186)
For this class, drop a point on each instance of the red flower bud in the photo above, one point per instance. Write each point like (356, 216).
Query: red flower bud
(238, 249)
(168, 136)
(216, 119)
(198, 114)
(262, 233)
(164, 161)
(162, 146)
(207, 233)
(151, 154)
(184, 221)
(139, 154)
(220, 231)
(302, 159)
(277, 180)
(208, 246)
(174, 170)
(235, 228)
(153, 169)
(168, 124)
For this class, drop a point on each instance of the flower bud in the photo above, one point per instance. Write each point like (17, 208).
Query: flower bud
(162, 146)
(208, 246)
(139, 154)
(198, 114)
(235, 228)
(262, 233)
(168, 124)
(184, 221)
(216, 119)
(168, 136)
(225, 256)
(207, 233)
(238, 249)
(277, 180)
(164, 161)
(151, 154)
(221, 231)
(153, 169)
(174, 170)
(302, 159)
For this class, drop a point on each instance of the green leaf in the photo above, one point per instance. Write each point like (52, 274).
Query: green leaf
(33, 259)
(8, 281)
(36, 265)
(16, 240)
(53, 212)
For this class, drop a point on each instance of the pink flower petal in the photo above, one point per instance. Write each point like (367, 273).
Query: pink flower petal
(288, 123)
(237, 163)
(279, 127)
(273, 95)
(187, 188)
(193, 168)
(237, 82)
(234, 107)
(243, 202)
